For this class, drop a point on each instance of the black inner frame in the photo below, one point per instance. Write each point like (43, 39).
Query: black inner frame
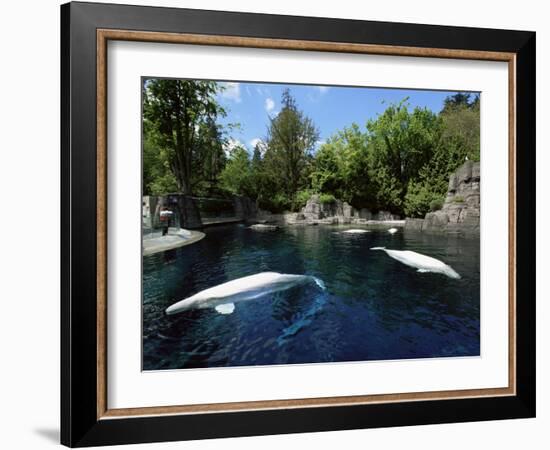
(79, 424)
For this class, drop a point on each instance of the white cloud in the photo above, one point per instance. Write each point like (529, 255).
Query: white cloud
(319, 143)
(255, 142)
(232, 91)
(317, 92)
(269, 104)
(230, 145)
(262, 91)
(260, 143)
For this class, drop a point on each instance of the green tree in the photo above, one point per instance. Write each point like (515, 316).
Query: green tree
(157, 177)
(461, 131)
(237, 177)
(290, 142)
(460, 140)
(460, 99)
(341, 167)
(263, 181)
(180, 117)
(401, 143)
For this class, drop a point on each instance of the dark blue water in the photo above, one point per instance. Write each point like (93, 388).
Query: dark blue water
(373, 308)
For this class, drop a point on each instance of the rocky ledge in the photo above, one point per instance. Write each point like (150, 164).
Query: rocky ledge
(334, 212)
(461, 211)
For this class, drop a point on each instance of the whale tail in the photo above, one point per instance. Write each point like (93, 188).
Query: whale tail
(320, 283)
(303, 321)
(378, 248)
(307, 317)
(451, 273)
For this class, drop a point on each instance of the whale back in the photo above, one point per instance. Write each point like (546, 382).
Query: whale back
(244, 288)
(239, 286)
(421, 262)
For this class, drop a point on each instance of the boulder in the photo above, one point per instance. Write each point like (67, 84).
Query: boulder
(435, 220)
(313, 209)
(348, 210)
(414, 224)
(385, 215)
(364, 213)
(461, 211)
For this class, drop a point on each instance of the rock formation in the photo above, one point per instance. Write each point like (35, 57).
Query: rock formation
(335, 212)
(461, 211)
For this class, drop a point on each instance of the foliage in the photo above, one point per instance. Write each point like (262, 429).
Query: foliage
(341, 167)
(290, 142)
(420, 199)
(436, 204)
(301, 199)
(399, 161)
(279, 203)
(458, 199)
(180, 121)
(236, 177)
(401, 145)
(461, 133)
(157, 178)
(327, 198)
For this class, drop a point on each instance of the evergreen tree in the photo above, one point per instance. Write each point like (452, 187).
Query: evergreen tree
(291, 139)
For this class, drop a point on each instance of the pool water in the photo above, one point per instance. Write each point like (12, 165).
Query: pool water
(373, 307)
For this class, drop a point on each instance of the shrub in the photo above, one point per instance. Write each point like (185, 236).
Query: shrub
(327, 198)
(301, 199)
(276, 204)
(436, 204)
(417, 200)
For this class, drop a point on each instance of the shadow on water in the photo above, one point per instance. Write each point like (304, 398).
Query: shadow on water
(374, 307)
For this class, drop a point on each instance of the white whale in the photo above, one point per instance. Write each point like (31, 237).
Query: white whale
(355, 231)
(392, 230)
(420, 262)
(224, 296)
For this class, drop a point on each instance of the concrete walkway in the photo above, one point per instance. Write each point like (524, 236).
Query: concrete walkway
(176, 237)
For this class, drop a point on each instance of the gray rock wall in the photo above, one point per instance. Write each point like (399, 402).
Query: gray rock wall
(186, 211)
(245, 208)
(336, 212)
(461, 211)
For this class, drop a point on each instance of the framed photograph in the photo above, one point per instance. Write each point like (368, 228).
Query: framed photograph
(277, 224)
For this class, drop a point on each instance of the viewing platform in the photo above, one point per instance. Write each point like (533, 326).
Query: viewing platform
(176, 237)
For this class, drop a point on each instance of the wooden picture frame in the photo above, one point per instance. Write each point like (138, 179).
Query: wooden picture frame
(86, 418)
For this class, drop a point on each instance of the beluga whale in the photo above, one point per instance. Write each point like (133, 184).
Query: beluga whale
(420, 262)
(224, 296)
(356, 231)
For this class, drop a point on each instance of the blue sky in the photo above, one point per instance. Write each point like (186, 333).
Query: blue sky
(331, 108)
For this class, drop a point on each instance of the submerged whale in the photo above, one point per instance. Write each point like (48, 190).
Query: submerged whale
(392, 230)
(420, 262)
(224, 296)
(355, 231)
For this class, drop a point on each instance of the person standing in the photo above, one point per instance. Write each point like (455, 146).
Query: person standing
(165, 219)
